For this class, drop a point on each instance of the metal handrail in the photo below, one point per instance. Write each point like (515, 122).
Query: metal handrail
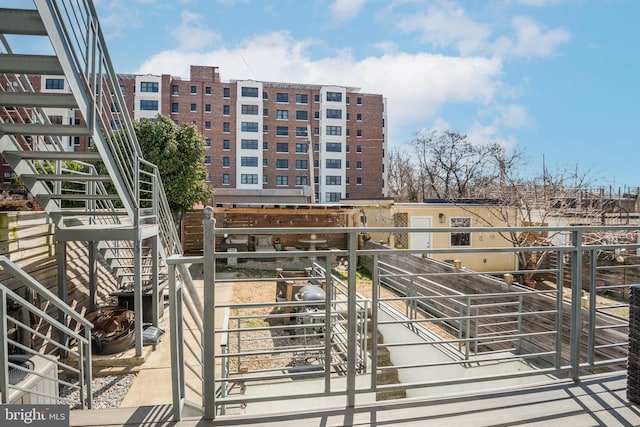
(56, 351)
(500, 326)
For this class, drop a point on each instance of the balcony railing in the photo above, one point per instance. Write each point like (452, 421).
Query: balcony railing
(396, 320)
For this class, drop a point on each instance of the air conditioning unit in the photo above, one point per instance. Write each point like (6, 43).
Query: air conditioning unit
(37, 386)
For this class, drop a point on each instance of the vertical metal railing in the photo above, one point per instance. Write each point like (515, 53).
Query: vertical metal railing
(514, 324)
(67, 349)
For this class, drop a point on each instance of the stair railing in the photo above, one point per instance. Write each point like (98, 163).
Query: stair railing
(67, 349)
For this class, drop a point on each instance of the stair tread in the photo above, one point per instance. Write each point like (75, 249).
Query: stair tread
(44, 129)
(38, 99)
(65, 177)
(53, 155)
(30, 64)
(80, 196)
(22, 21)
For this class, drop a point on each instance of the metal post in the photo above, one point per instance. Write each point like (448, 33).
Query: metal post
(4, 351)
(93, 282)
(576, 305)
(593, 259)
(375, 294)
(559, 309)
(328, 324)
(156, 295)
(177, 361)
(209, 316)
(61, 259)
(137, 294)
(352, 329)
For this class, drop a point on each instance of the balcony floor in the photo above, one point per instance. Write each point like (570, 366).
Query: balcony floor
(597, 400)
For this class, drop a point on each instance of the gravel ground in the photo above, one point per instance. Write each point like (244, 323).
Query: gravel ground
(108, 391)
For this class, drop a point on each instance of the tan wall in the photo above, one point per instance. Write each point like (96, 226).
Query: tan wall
(387, 215)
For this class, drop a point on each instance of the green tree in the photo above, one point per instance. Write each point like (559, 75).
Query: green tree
(178, 152)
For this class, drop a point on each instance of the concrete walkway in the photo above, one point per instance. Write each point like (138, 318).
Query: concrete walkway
(152, 385)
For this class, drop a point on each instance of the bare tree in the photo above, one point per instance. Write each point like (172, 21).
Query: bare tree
(449, 165)
(402, 176)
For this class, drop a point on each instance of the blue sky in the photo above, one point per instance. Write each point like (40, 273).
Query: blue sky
(556, 78)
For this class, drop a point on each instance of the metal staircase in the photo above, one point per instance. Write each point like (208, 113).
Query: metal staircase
(108, 196)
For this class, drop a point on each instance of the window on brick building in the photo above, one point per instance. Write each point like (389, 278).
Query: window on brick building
(282, 147)
(302, 115)
(333, 164)
(226, 144)
(194, 90)
(249, 161)
(148, 105)
(282, 163)
(174, 107)
(225, 162)
(226, 128)
(249, 178)
(302, 98)
(249, 144)
(334, 96)
(282, 97)
(282, 114)
(207, 125)
(282, 130)
(226, 92)
(249, 92)
(333, 197)
(249, 109)
(207, 90)
(175, 90)
(334, 180)
(334, 130)
(333, 113)
(282, 180)
(55, 84)
(302, 180)
(194, 108)
(334, 147)
(225, 178)
(148, 86)
(249, 126)
(301, 147)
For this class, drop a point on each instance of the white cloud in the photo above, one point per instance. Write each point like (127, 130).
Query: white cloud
(193, 34)
(345, 10)
(387, 47)
(446, 24)
(115, 23)
(532, 41)
(416, 85)
(512, 116)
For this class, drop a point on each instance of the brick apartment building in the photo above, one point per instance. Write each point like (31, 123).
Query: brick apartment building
(265, 137)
